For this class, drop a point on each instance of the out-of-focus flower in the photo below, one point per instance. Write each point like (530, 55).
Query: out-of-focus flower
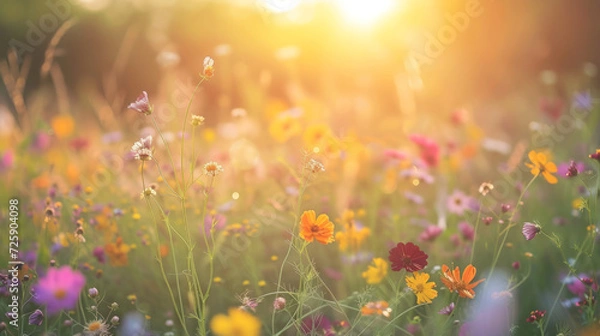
(430, 233)
(59, 289)
(376, 308)
(212, 169)
(99, 254)
(315, 166)
(148, 192)
(516, 265)
(536, 315)
(447, 310)
(430, 150)
(93, 292)
(408, 256)
(315, 136)
(248, 303)
(313, 228)
(7, 160)
(595, 155)
(458, 202)
(284, 127)
(487, 220)
(36, 318)
(317, 325)
(376, 272)
(422, 289)
(209, 67)
(197, 120)
(237, 323)
(118, 252)
(583, 100)
(63, 125)
(466, 230)
(214, 220)
(142, 104)
(570, 169)
(142, 149)
(353, 234)
(279, 303)
(541, 164)
(485, 188)
(463, 286)
(552, 107)
(530, 230)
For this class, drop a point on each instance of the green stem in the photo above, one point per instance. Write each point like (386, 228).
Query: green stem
(185, 118)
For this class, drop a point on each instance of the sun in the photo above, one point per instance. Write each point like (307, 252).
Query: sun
(364, 12)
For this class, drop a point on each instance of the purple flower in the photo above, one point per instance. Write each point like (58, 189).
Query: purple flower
(99, 254)
(530, 230)
(218, 219)
(59, 289)
(467, 230)
(458, 203)
(447, 310)
(142, 104)
(36, 318)
(317, 325)
(583, 100)
(571, 169)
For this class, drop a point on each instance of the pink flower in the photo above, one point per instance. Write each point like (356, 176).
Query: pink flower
(59, 289)
(467, 231)
(430, 150)
(530, 230)
(142, 104)
(430, 233)
(458, 203)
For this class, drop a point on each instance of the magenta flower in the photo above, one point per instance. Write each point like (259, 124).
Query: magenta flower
(430, 233)
(430, 150)
(142, 104)
(466, 230)
(59, 289)
(408, 256)
(530, 230)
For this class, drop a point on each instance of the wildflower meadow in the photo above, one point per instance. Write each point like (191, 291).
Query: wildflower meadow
(292, 167)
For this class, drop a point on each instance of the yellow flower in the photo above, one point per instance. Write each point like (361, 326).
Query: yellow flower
(284, 127)
(237, 323)
(313, 228)
(376, 272)
(578, 204)
(314, 136)
(117, 252)
(422, 289)
(63, 126)
(352, 237)
(541, 164)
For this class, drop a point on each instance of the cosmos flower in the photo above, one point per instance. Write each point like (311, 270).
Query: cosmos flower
(316, 228)
(237, 323)
(458, 202)
(408, 256)
(212, 169)
(466, 230)
(142, 149)
(317, 325)
(541, 164)
(422, 289)
(463, 286)
(430, 150)
(376, 272)
(530, 230)
(430, 233)
(142, 104)
(59, 289)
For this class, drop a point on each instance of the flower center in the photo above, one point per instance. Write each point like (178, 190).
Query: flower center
(60, 294)
(420, 288)
(94, 326)
(314, 228)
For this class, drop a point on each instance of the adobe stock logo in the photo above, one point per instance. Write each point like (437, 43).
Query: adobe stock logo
(435, 45)
(47, 24)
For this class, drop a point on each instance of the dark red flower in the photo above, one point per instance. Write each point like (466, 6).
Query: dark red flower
(408, 256)
(536, 315)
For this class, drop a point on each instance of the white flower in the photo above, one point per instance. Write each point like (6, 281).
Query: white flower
(147, 193)
(315, 166)
(213, 169)
(142, 149)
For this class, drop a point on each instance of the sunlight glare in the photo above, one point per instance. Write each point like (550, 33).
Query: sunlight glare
(364, 12)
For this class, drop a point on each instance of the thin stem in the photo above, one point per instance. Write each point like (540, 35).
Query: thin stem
(187, 112)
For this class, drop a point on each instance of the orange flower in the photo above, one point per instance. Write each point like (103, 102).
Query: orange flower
(541, 164)
(376, 308)
(320, 228)
(463, 286)
(117, 252)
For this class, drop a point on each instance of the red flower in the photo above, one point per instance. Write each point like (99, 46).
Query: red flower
(408, 256)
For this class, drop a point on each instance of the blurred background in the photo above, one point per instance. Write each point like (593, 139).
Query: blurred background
(330, 48)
